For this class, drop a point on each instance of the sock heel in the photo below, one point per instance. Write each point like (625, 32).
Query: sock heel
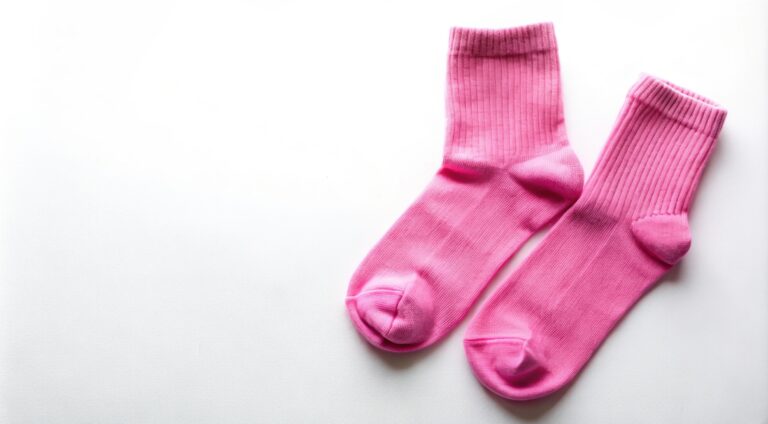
(557, 173)
(665, 237)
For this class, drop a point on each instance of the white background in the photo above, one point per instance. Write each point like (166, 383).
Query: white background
(186, 188)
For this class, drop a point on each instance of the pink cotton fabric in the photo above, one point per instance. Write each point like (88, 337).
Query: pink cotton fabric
(541, 326)
(507, 171)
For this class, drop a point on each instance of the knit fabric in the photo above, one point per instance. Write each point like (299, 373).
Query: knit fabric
(538, 330)
(507, 171)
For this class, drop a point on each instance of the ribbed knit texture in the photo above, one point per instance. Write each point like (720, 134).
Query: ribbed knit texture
(507, 171)
(653, 164)
(539, 329)
(504, 99)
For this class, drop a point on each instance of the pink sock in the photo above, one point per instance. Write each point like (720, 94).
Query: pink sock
(630, 226)
(507, 171)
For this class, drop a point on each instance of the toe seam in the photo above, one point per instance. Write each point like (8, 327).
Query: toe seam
(397, 311)
(364, 292)
(494, 340)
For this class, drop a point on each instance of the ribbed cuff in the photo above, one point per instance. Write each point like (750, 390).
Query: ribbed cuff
(503, 42)
(688, 108)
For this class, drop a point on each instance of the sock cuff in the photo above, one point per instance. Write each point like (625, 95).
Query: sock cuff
(684, 106)
(660, 145)
(503, 42)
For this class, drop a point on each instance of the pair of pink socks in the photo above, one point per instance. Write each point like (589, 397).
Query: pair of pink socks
(508, 171)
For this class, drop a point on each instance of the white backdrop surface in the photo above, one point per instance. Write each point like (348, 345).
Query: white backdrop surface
(187, 186)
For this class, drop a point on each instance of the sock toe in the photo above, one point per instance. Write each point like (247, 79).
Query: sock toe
(508, 367)
(397, 315)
